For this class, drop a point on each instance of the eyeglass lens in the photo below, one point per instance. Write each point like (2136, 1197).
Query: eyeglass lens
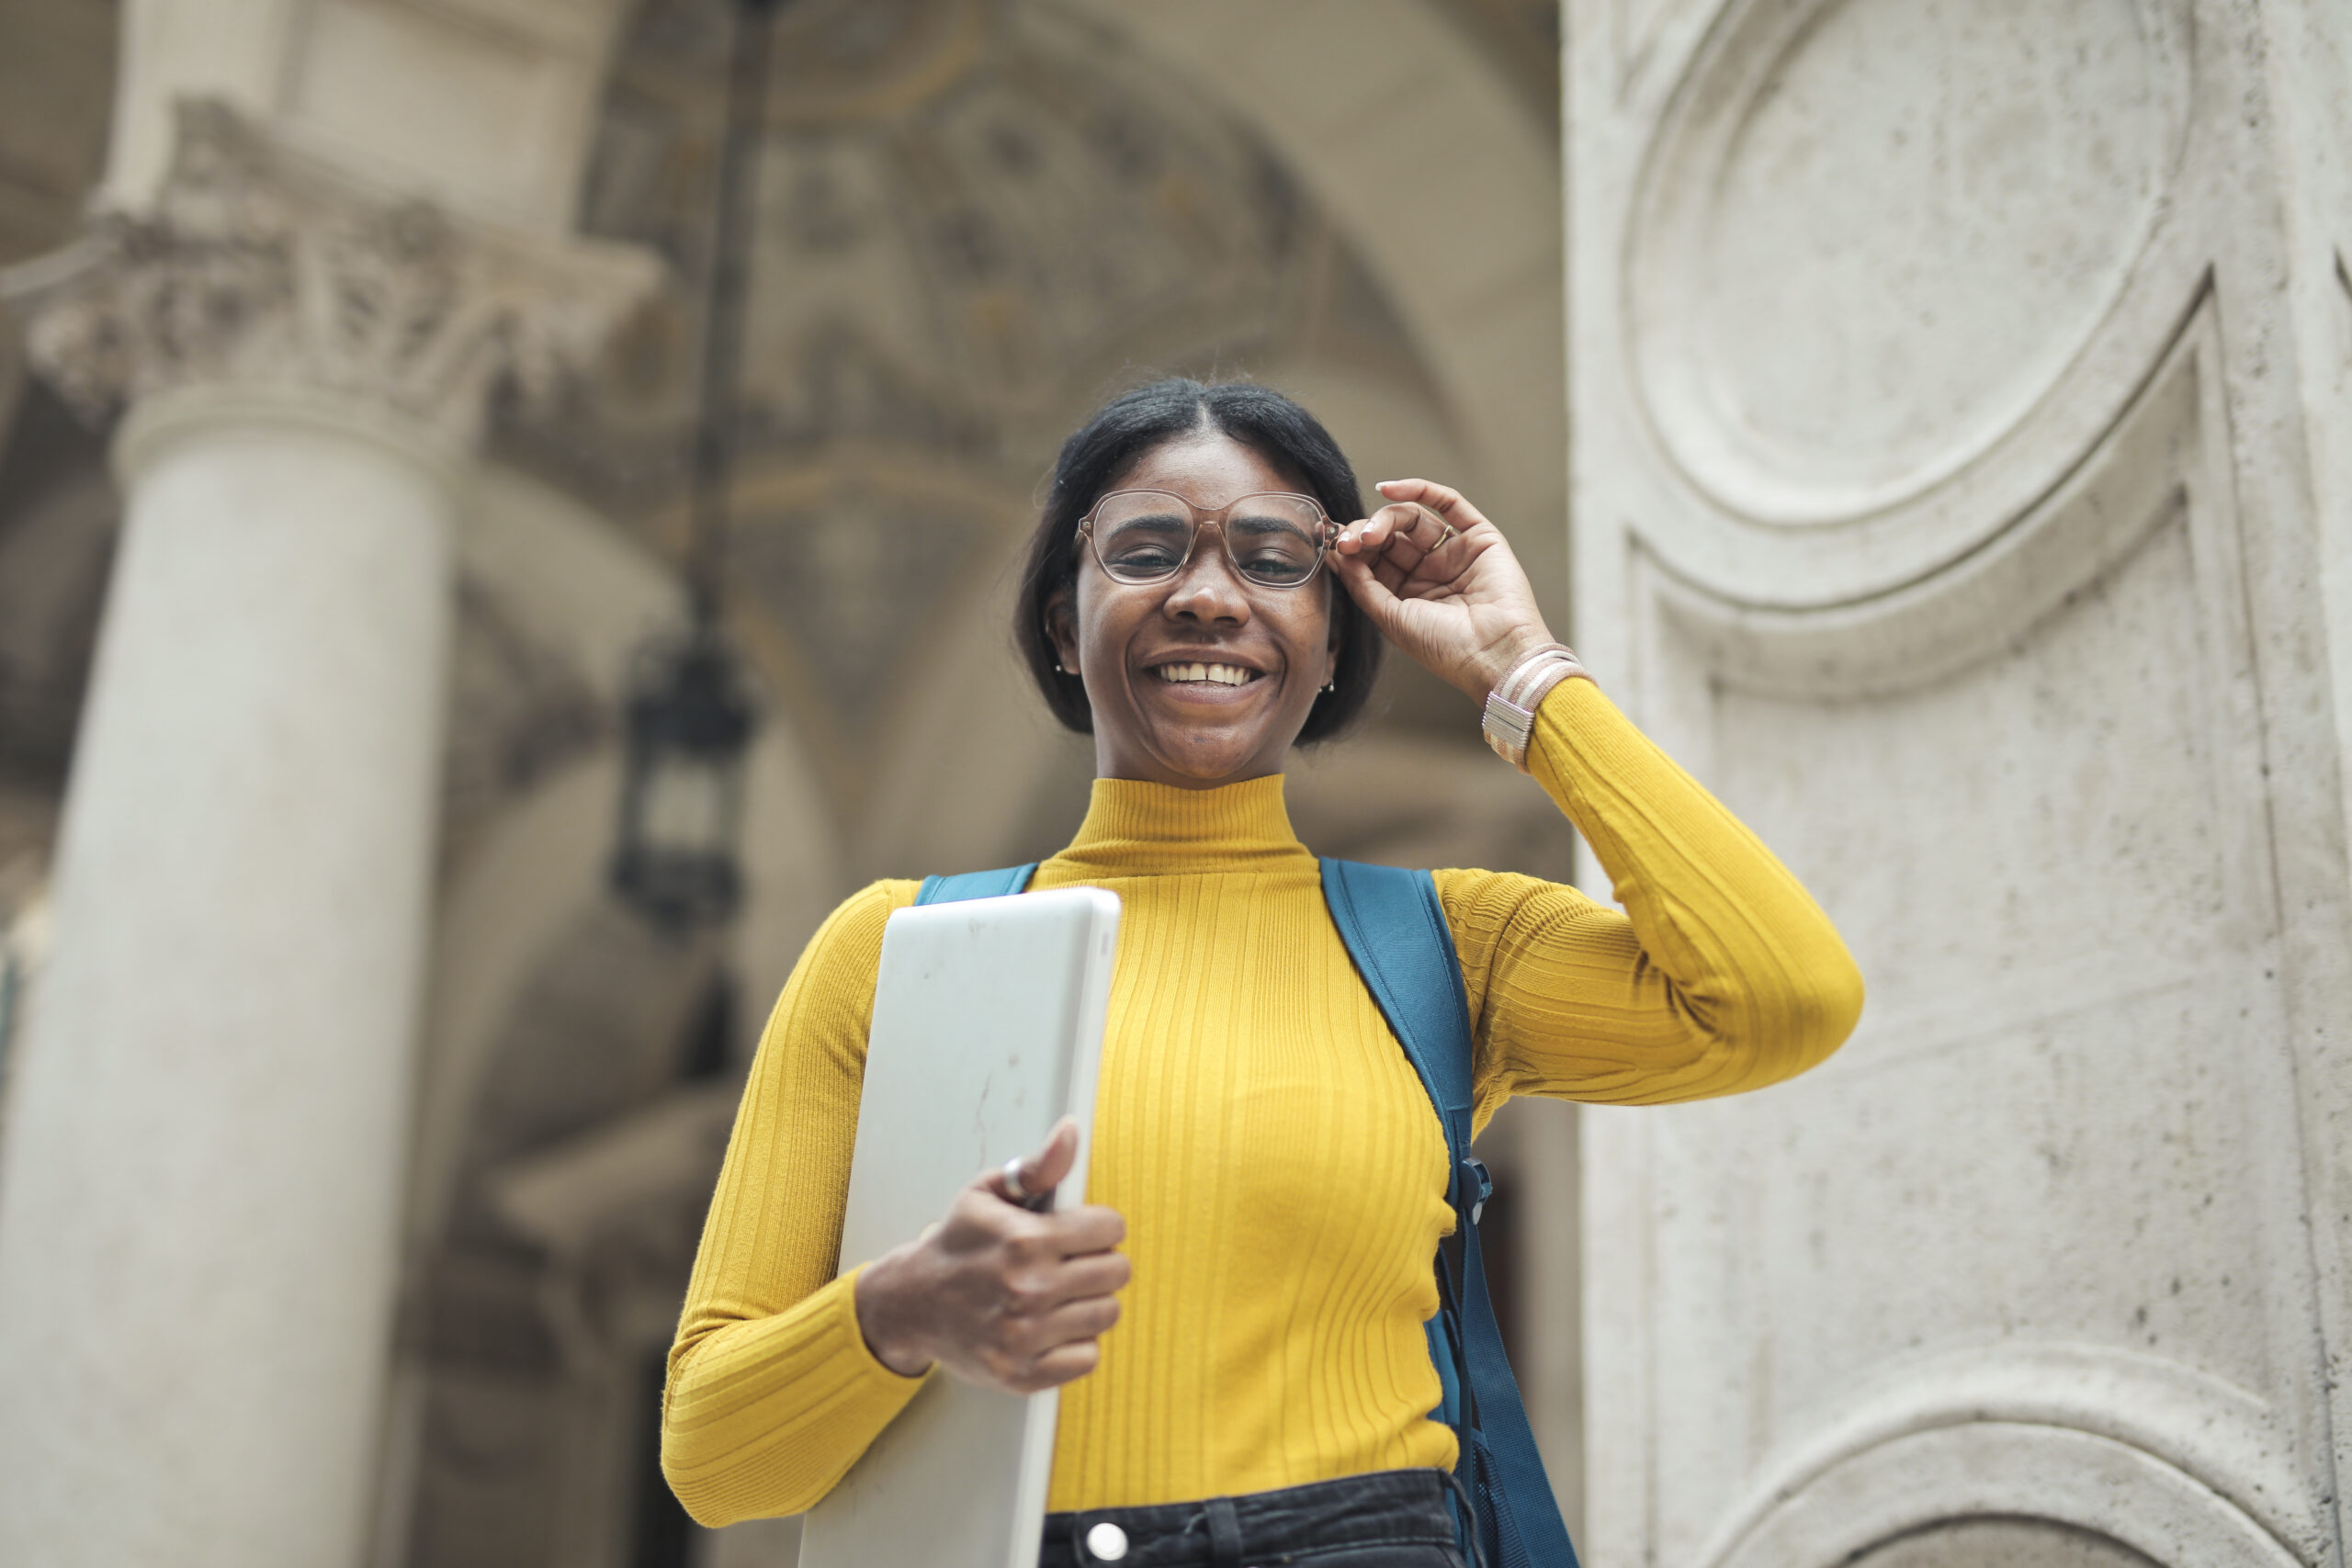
(1273, 540)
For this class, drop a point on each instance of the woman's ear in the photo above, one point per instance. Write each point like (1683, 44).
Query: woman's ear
(1062, 629)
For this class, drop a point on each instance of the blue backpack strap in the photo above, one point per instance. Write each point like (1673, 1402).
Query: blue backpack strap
(1393, 925)
(976, 885)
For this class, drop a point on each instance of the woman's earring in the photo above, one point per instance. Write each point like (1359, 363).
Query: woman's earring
(1059, 671)
(1332, 685)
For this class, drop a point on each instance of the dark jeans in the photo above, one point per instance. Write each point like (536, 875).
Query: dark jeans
(1392, 1518)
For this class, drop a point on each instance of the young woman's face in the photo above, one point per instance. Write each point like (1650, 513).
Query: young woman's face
(1204, 678)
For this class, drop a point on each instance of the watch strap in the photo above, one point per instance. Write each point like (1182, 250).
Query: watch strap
(1510, 719)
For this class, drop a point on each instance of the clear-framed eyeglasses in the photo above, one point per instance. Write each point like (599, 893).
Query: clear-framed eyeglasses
(1274, 539)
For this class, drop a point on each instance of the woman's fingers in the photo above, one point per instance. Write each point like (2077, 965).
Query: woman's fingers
(1377, 593)
(1055, 1346)
(1402, 522)
(1363, 583)
(1441, 518)
(1064, 1363)
(981, 1224)
(1040, 1172)
(1084, 1318)
(1449, 504)
(1411, 542)
(1096, 1274)
(1418, 548)
(1087, 1228)
(1095, 1277)
(1407, 550)
(1045, 1323)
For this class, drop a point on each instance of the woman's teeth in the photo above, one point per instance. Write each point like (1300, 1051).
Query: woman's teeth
(1223, 675)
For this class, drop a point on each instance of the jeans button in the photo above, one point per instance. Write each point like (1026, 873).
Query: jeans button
(1107, 1542)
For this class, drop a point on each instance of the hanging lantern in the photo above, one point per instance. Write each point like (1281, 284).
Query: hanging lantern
(689, 716)
(689, 724)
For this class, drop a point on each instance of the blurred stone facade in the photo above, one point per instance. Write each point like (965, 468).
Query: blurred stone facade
(1959, 484)
(442, 260)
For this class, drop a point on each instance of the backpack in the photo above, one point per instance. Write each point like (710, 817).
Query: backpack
(1395, 929)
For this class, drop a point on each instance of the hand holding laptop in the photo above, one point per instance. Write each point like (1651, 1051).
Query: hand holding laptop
(999, 1295)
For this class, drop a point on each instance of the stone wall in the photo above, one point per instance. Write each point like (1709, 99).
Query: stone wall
(1957, 410)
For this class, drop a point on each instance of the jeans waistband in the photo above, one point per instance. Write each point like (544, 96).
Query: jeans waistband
(1400, 1507)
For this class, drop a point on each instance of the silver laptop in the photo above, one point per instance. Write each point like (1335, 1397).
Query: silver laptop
(988, 1026)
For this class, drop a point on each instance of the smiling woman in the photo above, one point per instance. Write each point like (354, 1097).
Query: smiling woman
(1196, 669)
(1157, 456)
(1204, 593)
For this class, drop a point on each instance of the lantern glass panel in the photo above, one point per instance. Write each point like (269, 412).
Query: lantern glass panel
(688, 807)
(689, 723)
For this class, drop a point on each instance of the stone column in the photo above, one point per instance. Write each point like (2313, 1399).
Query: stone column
(201, 1177)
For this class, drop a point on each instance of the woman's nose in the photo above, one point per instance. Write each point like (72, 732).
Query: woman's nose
(1207, 589)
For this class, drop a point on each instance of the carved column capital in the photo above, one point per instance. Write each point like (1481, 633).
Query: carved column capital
(262, 267)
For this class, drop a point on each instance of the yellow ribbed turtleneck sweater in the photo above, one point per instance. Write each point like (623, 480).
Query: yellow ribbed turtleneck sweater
(1280, 1171)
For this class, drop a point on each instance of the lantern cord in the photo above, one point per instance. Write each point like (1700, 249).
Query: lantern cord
(729, 275)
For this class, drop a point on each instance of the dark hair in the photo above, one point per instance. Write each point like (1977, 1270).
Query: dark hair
(1122, 430)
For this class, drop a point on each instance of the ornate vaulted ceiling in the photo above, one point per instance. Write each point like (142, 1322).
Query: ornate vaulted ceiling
(975, 218)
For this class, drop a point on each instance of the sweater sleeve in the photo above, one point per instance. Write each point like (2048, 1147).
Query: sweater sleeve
(773, 1394)
(1722, 976)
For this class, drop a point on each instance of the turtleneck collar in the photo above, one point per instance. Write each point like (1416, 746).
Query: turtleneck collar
(1136, 828)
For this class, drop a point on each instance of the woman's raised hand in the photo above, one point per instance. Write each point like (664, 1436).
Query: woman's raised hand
(996, 1294)
(1463, 608)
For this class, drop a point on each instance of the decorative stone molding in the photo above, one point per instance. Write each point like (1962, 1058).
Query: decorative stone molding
(2137, 1449)
(1794, 272)
(2076, 1486)
(2158, 464)
(260, 267)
